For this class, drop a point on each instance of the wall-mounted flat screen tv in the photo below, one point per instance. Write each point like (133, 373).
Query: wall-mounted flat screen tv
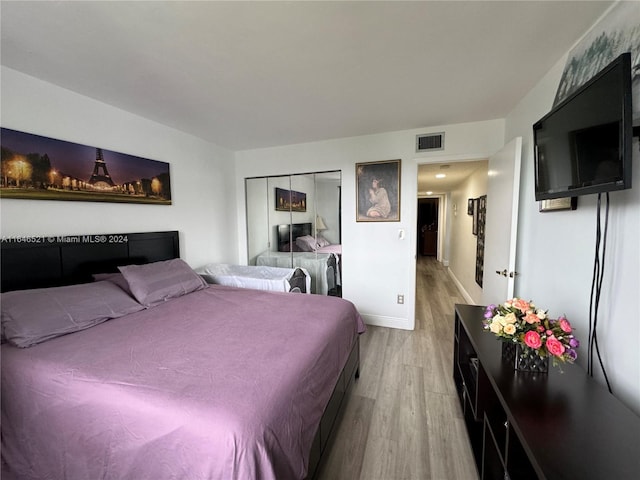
(583, 145)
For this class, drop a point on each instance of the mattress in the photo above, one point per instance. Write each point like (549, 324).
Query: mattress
(222, 383)
(247, 276)
(333, 248)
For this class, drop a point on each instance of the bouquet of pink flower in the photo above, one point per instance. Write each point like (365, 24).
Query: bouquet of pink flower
(519, 321)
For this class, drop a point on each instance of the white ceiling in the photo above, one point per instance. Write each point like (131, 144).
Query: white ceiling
(455, 173)
(254, 74)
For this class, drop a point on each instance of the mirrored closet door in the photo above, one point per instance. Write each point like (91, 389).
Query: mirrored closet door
(294, 221)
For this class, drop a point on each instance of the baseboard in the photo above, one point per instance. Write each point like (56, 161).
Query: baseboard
(390, 322)
(465, 294)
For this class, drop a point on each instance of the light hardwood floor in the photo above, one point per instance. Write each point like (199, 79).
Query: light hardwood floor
(403, 420)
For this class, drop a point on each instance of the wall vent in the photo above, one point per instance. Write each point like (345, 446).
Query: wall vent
(429, 142)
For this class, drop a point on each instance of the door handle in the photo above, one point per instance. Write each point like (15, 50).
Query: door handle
(503, 272)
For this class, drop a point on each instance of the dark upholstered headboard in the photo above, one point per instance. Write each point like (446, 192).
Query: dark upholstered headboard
(41, 261)
(288, 232)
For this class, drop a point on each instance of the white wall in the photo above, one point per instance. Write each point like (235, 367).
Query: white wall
(377, 264)
(556, 252)
(462, 256)
(201, 173)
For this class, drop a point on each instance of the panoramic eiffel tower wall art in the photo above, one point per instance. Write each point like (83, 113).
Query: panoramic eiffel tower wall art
(41, 168)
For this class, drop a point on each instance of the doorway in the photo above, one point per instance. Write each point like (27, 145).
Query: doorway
(444, 190)
(463, 183)
(427, 227)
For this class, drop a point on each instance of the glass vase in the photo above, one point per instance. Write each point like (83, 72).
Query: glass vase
(524, 359)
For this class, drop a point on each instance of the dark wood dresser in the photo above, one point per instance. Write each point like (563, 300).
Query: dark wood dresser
(558, 425)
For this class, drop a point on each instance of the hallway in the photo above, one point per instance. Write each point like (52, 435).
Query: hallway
(403, 418)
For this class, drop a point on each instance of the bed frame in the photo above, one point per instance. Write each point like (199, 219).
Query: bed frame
(48, 261)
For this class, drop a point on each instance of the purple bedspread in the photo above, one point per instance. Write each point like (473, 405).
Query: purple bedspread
(223, 383)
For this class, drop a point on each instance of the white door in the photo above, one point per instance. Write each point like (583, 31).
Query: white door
(503, 190)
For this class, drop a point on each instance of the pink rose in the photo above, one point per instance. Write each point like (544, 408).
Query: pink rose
(540, 328)
(521, 305)
(554, 346)
(565, 325)
(531, 318)
(532, 339)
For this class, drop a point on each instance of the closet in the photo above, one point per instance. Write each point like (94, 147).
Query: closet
(295, 221)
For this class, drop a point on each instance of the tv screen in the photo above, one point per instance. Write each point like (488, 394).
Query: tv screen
(583, 145)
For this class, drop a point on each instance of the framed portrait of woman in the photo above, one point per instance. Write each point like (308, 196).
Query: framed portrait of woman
(378, 191)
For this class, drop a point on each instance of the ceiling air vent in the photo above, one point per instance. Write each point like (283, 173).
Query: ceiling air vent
(430, 142)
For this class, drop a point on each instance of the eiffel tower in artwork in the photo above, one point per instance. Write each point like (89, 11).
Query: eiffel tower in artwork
(100, 177)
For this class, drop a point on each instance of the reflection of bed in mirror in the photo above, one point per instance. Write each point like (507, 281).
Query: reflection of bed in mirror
(298, 248)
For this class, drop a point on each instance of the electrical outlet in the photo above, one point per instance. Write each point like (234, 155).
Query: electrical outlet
(400, 299)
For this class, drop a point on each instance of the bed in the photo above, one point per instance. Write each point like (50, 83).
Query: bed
(298, 248)
(213, 382)
(295, 280)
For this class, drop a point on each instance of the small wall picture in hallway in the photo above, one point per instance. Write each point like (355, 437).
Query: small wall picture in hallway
(470, 206)
(43, 168)
(378, 191)
(474, 225)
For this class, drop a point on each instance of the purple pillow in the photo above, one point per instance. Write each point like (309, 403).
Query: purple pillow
(158, 282)
(116, 278)
(306, 243)
(321, 241)
(34, 316)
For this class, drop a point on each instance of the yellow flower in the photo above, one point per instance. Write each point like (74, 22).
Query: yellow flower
(510, 317)
(510, 329)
